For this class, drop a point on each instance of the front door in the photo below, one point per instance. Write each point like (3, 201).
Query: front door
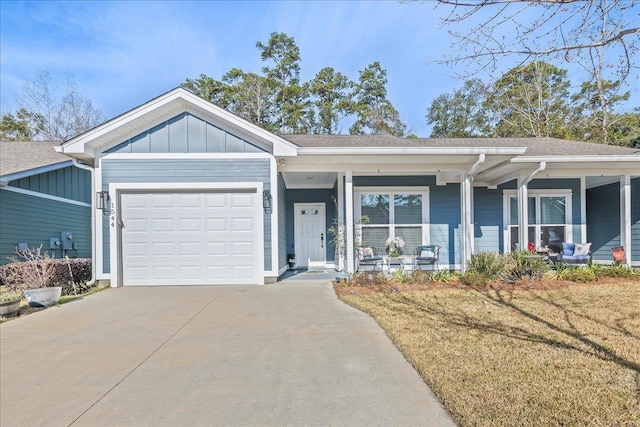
(310, 231)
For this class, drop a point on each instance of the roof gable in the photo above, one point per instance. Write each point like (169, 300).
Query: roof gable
(161, 109)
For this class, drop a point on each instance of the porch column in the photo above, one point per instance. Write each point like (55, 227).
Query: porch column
(340, 208)
(625, 216)
(349, 224)
(466, 220)
(523, 214)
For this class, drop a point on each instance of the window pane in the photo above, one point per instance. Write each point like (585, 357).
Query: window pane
(532, 210)
(514, 237)
(552, 210)
(513, 210)
(553, 237)
(412, 238)
(408, 209)
(375, 236)
(375, 207)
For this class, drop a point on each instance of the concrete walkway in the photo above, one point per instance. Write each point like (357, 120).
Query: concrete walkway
(282, 354)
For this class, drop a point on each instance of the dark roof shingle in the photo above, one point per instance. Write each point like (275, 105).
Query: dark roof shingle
(19, 156)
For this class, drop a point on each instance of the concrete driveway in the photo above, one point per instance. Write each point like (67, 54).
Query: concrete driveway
(282, 354)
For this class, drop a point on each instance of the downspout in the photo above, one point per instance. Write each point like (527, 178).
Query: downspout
(467, 209)
(93, 219)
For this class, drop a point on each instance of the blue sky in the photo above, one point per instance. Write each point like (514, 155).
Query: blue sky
(125, 53)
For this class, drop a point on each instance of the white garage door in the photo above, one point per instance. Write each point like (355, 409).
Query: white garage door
(190, 238)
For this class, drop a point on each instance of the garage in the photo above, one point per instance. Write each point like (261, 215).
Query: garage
(191, 238)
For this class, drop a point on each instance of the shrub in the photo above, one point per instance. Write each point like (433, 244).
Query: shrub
(417, 277)
(48, 272)
(369, 278)
(524, 267)
(578, 274)
(445, 276)
(475, 279)
(491, 265)
(615, 270)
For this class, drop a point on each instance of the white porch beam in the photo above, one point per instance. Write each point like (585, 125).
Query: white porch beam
(523, 206)
(443, 178)
(466, 205)
(349, 223)
(341, 221)
(625, 216)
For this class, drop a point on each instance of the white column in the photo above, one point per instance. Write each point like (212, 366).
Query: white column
(340, 213)
(349, 223)
(466, 220)
(625, 216)
(523, 214)
(583, 209)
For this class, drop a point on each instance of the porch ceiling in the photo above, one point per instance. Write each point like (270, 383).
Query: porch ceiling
(293, 180)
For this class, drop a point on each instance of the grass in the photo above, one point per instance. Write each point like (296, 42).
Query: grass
(563, 357)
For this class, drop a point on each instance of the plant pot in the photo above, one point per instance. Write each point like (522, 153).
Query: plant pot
(43, 297)
(9, 308)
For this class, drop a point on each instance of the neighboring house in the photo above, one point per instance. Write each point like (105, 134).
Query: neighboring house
(196, 195)
(43, 196)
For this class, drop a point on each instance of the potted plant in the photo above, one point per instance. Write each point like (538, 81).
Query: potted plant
(10, 303)
(394, 246)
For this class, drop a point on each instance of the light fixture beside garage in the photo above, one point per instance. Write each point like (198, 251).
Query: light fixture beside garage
(266, 201)
(102, 201)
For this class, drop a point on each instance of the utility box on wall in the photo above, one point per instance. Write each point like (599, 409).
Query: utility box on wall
(66, 240)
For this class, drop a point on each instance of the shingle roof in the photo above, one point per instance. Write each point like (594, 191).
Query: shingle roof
(19, 156)
(535, 146)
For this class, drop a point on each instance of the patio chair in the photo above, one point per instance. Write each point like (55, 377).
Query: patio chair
(618, 254)
(575, 254)
(370, 259)
(425, 256)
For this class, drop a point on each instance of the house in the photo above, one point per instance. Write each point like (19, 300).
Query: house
(44, 200)
(191, 194)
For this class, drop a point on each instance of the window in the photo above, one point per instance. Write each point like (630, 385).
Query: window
(549, 218)
(391, 213)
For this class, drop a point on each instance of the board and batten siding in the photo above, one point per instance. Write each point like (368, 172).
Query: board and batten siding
(33, 220)
(488, 220)
(603, 220)
(69, 183)
(182, 170)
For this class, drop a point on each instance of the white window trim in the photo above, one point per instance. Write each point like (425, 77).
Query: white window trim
(391, 192)
(506, 212)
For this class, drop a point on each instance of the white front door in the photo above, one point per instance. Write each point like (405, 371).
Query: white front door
(310, 231)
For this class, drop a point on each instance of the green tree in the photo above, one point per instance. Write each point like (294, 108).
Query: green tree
(24, 126)
(208, 88)
(250, 96)
(460, 114)
(531, 100)
(374, 112)
(331, 92)
(289, 106)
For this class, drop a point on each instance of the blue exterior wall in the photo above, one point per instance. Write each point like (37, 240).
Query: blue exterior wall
(186, 133)
(444, 210)
(69, 183)
(33, 220)
(176, 171)
(488, 227)
(310, 196)
(603, 220)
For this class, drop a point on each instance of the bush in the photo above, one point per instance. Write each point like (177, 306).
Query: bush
(491, 265)
(615, 270)
(578, 274)
(445, 276)
(16, 274)
(418, 277)
(524, 267)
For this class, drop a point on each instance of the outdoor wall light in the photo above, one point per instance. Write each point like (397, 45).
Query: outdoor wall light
(102, 201)
(266, 201)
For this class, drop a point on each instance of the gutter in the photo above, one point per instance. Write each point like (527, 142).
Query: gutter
(93, 219)
(541, 167)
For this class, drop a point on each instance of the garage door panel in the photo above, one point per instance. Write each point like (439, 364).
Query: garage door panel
(190, 239)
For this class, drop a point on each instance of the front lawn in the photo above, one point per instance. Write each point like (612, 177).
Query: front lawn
(505, 357)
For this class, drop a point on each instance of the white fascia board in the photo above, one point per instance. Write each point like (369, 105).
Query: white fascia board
(574, 159)
(37, 171)
(177, 99)
(408, 150)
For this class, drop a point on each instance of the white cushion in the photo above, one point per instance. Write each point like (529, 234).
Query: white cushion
(427, 254)
(582, 249)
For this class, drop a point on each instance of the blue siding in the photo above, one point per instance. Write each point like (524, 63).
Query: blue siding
(311, 196)
(603, 219)
(488, 227)
(69, 183)
(33, 220)
(444, 210)
(175, 171)
(282, 223)
(186, 133)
